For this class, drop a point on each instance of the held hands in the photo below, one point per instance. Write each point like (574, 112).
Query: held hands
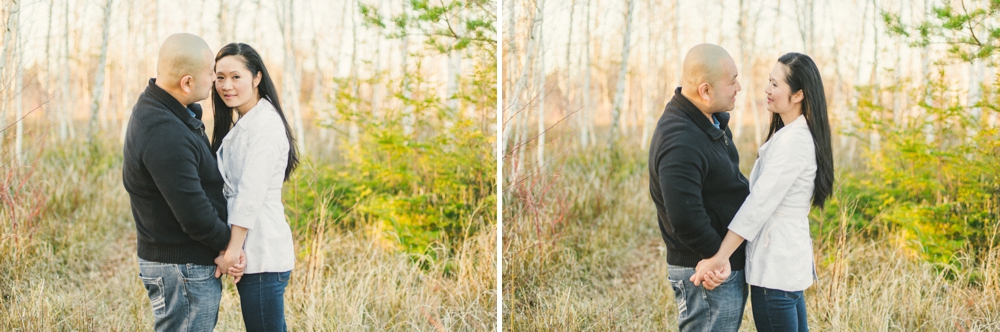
(232, 264)
(711, 272)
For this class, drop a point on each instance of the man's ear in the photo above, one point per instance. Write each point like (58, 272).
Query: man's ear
(705, 91)
(798, 96)
(187, 84)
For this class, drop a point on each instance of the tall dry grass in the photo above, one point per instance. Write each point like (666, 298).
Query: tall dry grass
(68, 262)
(583, 252)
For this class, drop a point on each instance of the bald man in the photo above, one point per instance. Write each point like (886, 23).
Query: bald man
(697, 187)
(175, 189)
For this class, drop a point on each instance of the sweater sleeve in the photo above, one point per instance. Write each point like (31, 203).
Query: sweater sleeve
(681, 171)
(260, 160)
(787, 158)
(173, 163)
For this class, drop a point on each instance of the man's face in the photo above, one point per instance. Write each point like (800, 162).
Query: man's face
(204, 81)
(725, 88)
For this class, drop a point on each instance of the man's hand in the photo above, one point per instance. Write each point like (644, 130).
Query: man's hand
(711, 272)
(218, 262)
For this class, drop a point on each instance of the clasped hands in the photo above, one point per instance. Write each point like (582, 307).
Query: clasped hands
(711, 272)
(233, 262)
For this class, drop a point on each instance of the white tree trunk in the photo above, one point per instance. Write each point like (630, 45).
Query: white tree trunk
(511, 56)
(46, 75)
(876, 139)
(567, 92)
(540, 82)
(742, 27)
(407, 109)
(6, 55)
(648, 84)
(377, 87)
(127, 98)
(622, 72)
(66, 128)
(95, 103)
(516, 104)
(454, 77)
(587, 134)
(353, 130)
(291, 75)
(18, 88)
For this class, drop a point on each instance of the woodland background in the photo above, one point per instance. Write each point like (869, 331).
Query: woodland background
(393, 208)
(908, 240)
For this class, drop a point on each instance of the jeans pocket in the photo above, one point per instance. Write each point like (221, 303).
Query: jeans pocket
(154, 288)
(284, 276)
(680, 295)
(792, 295)
(196, 273)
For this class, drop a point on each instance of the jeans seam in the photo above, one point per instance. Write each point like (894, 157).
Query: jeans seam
(260, 300)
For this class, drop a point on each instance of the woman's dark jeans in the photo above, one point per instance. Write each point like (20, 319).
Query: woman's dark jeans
(776, 310)
(262, 297)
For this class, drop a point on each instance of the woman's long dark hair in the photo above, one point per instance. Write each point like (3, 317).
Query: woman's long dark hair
(224, 114)
(803, 75)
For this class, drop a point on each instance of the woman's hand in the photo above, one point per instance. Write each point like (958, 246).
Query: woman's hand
(712, 272)
(237, 270)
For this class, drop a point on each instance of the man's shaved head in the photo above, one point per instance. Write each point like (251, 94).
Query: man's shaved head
(708, 78)
(704, 63)
(185, 68)
(182, 54)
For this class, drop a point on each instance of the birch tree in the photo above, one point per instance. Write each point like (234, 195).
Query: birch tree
(290, 86)
(353, 130)
(540, 82)
(66, 128)
(515, 97)
(95, 103)
(622, 71)
(18, 89)
(587, 132)
(511, 44)
(570, 103)
(11, 10)
(404, 44)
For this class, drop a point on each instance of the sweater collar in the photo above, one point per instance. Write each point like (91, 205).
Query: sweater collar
(699, 118)
(175, 106)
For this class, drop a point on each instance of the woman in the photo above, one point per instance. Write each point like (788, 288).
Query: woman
(256, 154)
(795, 165)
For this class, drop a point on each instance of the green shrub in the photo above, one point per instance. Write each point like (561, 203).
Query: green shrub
(932, 179)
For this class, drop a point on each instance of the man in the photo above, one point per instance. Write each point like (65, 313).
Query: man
(696, 184)
(175, 189)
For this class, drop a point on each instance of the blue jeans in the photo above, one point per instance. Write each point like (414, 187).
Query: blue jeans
(699, 309)
(262, 298)
(185, 297)
(777, 310)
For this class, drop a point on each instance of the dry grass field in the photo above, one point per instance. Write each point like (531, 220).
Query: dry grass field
(582, 252)
(68, 262)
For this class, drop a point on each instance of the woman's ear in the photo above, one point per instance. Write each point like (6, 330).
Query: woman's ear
(256, 79)
(798, 96)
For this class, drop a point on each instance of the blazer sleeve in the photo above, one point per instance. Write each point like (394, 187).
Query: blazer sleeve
(263, 153)
(173, 164)
(681, 171)
(787, 158)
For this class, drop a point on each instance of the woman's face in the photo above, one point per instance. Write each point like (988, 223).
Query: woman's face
(235, 84)
(780, 99)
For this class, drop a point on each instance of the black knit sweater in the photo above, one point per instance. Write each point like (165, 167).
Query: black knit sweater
(695, 182)
(173, 182)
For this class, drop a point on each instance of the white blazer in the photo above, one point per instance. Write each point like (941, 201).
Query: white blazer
(252, 161)
(774, 219)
